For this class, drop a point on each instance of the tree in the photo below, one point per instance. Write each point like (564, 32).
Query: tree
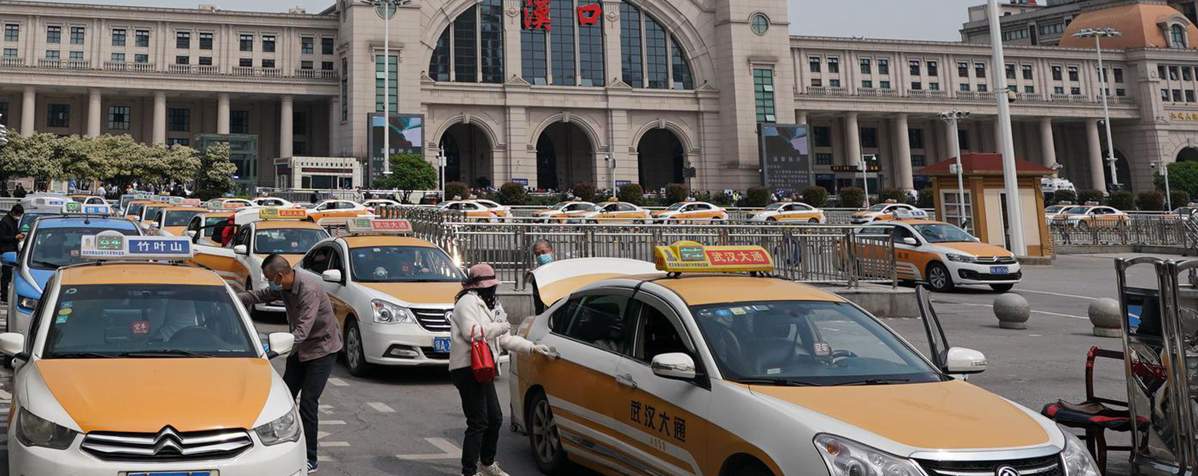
(1062, 196)
(927, 198)
(456, 191)
(32, 156)
(125, 158)
(512, 194)
(215, 177)
(1150, 201)
(1086, 196)
(632, 193)
(852, 197)
(585, 191)
(815, 196)
(1122, 200)
(756, 197)
(1183, 176)
(677, 192)
(409, 171)
(1179, 198)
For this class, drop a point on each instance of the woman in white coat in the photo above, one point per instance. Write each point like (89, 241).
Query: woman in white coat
(475, 316)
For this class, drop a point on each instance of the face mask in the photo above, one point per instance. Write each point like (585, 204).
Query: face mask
(544, 259)
(275, 287)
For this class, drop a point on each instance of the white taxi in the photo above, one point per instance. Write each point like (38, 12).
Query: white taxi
(881, 211)
(272, 202)
(227, 204)
(391, 293)
(140, 368)
(697, 369)
(565, 212)
(614, 211)
(337, 212)
(790, 212)
(691, 212)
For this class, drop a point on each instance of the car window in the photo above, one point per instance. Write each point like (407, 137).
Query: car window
(599, 323)
(36, 323)
(402, 264)
(179, 218)
(900, 233)
(656, 334)
(54, 248)
(559, 321)
(152, 214)
(287, 240)
(335, 261)
(243, 237)
(317, 261)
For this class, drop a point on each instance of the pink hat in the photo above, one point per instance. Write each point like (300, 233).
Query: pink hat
(480, 276)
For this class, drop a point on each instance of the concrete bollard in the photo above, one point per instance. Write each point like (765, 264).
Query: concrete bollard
(1012, 311)
(1105, 315)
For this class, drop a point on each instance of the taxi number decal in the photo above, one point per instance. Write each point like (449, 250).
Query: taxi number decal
(140, 327)
(660, 422)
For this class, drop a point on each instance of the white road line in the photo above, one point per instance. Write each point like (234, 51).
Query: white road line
(333, 444)
(326, 409)
(332, 422)
(336, 382)
(325, 459)
(448, 451)
(1055, 314)
(1048, 293)
(380, 407)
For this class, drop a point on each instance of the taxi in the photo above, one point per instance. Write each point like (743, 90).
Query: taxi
(261, 232)
(136, 368)
(614, 211)
(274, 202)
(88, 199)
(941, 254)
(391, 293)
(174, 219)
(227, 204)
(137, 208)
(565, 212)
(710, 367)
(691, 211)
(205, 228)
(337, 212)
(883, 211)
(502, 212)
(53, 242)
(472, 210)
(375, 204)
(790, 212)
(1092, 216)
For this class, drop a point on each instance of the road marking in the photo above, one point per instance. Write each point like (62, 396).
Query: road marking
(325, 459)
(448, 451)
(329, 444)
(332, 422)
(990, 306)
(336, 382)
(1048, 293)
(326, 409)
(380, 407)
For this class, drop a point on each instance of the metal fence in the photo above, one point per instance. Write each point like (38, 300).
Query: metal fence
(1153, 230)
(835, 216)
(299, 195)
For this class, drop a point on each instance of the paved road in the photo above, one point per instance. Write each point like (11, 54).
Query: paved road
(409, 422)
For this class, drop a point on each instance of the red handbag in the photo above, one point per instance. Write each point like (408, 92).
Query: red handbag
(482, 361)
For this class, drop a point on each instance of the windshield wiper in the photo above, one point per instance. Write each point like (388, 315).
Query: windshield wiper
(162, 353)
(874, 381)
(44, 264)
(776, 381)
(80, 355)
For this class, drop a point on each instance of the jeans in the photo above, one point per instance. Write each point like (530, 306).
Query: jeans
(307, 379)
(484, 418)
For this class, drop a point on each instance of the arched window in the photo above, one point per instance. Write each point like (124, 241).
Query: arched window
(569, 50)
(1177, 36)
(473, 43)
(651, 57)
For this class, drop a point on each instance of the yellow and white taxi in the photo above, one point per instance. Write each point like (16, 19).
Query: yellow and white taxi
(206, 228)
(613, 211)
(151, 214)
(1092, 216)
(174, 219)
(272, 202)
(472, 210)
(375, 204)
(139, 368)
(136, 210)
(260, 232)
(691, 212)
(881, 211)
(227, 204)
(337, 212)
(790, 212)
(503, 212)
(391, 293)
(565, 212)
(941, 254)
(698, 370)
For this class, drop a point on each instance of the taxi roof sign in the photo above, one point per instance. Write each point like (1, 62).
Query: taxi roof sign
(907, 214)
(278, 213)
(360, 226)
(693, 257)
(113, 245)
(76, 208)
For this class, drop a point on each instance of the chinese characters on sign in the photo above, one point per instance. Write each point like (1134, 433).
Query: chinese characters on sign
(745, 257)
(537, 16)
(1183, 116)
(659, 422)
(589, 14)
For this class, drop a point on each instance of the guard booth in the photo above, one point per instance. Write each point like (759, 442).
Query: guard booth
(985, 202)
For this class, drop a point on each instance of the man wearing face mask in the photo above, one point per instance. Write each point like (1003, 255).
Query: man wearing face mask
(317, 338)
(542, 251)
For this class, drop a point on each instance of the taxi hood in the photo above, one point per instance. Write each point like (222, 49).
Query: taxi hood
(976, 249)
(560, 278)
(145, 395)
(951, 415)
(438, 294)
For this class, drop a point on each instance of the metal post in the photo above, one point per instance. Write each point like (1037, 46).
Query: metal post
(952, 117)
(1010, 180)
(864, 179)
(387, 87)
(1168, 192)
(1103, 88)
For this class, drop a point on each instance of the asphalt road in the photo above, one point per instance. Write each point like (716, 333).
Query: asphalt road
(410, 422)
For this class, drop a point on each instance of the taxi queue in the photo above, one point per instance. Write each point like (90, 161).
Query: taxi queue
(698, 363)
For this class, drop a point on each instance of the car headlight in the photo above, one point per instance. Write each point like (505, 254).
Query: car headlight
(1078, 461)
(387, 313)
(33, 430)
(960, 258)
(846, 457)
(283, 430)
(26, 303)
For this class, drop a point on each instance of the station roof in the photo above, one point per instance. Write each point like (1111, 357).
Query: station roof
(1142, 24)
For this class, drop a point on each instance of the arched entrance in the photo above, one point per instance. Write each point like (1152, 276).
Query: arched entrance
(662, 159)
(565, 156)
(1121, 166)
(1188, 154)
(467, 155)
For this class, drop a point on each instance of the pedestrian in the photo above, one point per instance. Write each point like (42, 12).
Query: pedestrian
(100, 192)
(542, 252)
(10, 237)
(475, 316)
(19, 192)
(317, 338)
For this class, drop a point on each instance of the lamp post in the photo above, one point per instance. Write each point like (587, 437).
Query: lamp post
(1010, 180)
(1168, 192)
(951, 118)
(611, 172)
(385, 10)
(1103, 88)
(441, 171)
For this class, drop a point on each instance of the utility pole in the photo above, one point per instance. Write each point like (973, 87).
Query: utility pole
(1010, 180)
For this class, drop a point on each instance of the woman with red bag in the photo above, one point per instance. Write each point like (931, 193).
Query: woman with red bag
(479, 328)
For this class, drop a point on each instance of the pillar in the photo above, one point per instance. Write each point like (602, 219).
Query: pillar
(334, 121)
(801, 118)
(28, 110)
(222, 113)
(93, 112)
(852, 137)
(1097, 178)
(1048, 147)
(159, 118)
(902, 163)
(953, 142)
(286, 113)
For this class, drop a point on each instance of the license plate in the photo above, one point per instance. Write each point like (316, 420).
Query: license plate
(1000, 270)
(441, 345)
(175, 473)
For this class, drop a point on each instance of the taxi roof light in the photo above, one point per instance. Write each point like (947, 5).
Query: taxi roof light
(693, 257)
(281, 213)
(76, 208)
(113, 245)
(909, 214)
(364, 226)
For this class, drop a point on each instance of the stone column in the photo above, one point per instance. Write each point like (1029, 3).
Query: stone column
(852, 138)
(1097, 178)
(286, 115)
(28, 110)
(334, 123)
(159, 118)
(1048, 147)
(93, 112)
(902, 162)
(222, 113)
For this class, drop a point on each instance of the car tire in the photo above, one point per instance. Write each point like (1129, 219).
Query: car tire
(749, 467)
(543, 436)
(771, 220)
(1002, 288)
(355, 354)
(939, 279)
(813, 221)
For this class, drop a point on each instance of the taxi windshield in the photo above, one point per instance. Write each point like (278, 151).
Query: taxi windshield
(135, 209)
(943, 233)
(1077, 211)
(154, 213)
(54, 248)
(287, 241)
(146, 320)
(775, 206)
(402, 264)
(179, 218)
(675, 207)
(806, 343)
(879, 207)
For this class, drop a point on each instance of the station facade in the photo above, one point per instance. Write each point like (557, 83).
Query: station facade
(557, 92)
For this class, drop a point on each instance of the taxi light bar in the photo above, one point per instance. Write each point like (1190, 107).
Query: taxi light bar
(76, 208)
(190, 202)
(904, 214)
(112, 245)
(693, 257)
(277, 213)
(376, 226)
(220, 204)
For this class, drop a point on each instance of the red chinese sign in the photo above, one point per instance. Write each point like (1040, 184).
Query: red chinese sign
(536, 15)
(391, 225)
(590, 14)
(737, 257)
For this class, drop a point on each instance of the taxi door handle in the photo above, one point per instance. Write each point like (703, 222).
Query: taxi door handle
(626, 380)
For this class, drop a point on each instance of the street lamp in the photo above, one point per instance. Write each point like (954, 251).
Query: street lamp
(1168, 192)
(441, 159)
(385, 10)
(951, 118)
(611, 172)
(1103, 88)
(1010, 181)
(865, 178)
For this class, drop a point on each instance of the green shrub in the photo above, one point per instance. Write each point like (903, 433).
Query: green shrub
(1179, 198)
(1183, 176)
(584, 191)
(456, 191)
(632, 193)
(719, 198)
(927, 198)
(1086, 196)
(512, 194)
(1122, 200)
(852, 197)
(1150, 201)
(756, 197)
(1063, 196)
(815, 196)
(677, 192)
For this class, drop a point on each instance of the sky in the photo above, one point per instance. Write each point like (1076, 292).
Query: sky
(890, 19)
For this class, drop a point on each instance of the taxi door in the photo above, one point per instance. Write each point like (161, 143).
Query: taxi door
(210, 255)
(909, 260)
(316, 262)
(243, 262)
(662, 417)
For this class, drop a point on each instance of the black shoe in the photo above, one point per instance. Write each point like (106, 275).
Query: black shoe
(312, 467)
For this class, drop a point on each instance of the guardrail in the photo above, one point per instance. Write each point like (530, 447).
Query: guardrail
(1145, 230)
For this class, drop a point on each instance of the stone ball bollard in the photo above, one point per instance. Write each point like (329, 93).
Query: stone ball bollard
(1105, 314)
(1012, 311)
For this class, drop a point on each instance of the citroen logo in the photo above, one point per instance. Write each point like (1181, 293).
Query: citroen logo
(1006, 471)
(168, 441)
(448, 315)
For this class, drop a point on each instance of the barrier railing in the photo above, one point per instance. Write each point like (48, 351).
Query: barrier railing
(1155, 230)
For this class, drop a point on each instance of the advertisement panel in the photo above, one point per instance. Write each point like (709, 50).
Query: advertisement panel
(785, 157)
(407, 136)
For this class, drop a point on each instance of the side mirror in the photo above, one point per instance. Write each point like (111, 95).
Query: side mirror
(280, 343)
(191, 233)
(241, 250)
(962, 361)
(676, 366)
(12, 343)
(910, 241)
(331, 276)
(9, 258)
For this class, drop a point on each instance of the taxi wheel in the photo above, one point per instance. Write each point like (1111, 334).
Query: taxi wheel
(355, 356)
(813, 221)
(771, 220)
(543, 437)
(939, 278)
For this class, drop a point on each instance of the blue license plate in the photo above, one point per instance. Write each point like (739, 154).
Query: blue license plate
(441, 345)
(175, 473)
(1000, 270)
